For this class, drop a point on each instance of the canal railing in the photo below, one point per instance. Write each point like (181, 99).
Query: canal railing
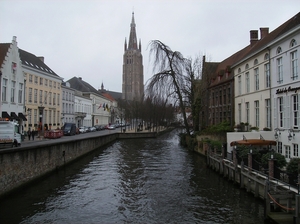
(282, 200)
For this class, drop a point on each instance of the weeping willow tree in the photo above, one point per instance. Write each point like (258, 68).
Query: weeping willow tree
(169, 79)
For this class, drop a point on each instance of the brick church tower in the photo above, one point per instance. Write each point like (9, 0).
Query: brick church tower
(133, 76)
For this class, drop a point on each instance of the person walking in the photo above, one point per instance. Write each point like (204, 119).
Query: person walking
(32, 135)
(29, 133)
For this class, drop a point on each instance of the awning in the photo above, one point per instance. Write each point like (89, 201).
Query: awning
(21, 115)
(253, 142)
(14, 116)
(5, 115)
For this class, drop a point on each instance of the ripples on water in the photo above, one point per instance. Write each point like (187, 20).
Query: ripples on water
(134, 181)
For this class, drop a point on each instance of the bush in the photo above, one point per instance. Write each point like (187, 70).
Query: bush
(292, 166)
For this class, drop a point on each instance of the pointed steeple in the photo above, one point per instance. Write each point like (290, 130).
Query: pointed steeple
(132, 44)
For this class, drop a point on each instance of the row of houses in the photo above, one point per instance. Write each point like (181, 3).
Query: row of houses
(33, 95)
(258, 87)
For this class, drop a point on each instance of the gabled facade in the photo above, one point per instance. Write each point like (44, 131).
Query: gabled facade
(42, 94)
(133, 71)
(12, 84)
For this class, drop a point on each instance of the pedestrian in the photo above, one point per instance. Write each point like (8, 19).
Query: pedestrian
(32, 135)
(29, 134)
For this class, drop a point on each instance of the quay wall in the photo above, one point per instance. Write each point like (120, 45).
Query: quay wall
(19, 166)
(22, 165)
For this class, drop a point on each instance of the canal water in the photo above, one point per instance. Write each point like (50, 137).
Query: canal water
(134, 181)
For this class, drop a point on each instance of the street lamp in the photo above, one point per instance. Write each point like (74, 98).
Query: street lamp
(290, 136)
(276, 133)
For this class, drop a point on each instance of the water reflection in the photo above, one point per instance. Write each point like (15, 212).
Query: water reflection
(134, 181)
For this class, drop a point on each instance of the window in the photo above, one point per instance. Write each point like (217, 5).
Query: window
(287, 151)
(35, 80)
(58, 99)
(280, 147)
(46, 82)
(279, 50)
(12, 91)
(30, 78)
(54, 83)
(35, 95)
(281, 108)
(247, 112)
(255, 62)
(268, 113)
(41, 81)
(35, 116)
(247, 83)
(266, 56)
(50, 98)
(256, 107)
(294, 64)
(293, 43)
(240, 112)
(256, 78)
(54, 98)
(295, 109)
(41, 97)
(50, 83)
(50, 121)
(239, 85)
(45, 97)
(279, 70)
(4, 90)
(14, 67)
(20, 95)
(267, 75)
(246, 66)
(295, 150)
(30, 95)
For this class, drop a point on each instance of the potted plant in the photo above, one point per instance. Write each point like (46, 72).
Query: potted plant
(254, 128)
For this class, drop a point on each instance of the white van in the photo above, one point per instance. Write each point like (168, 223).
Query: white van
(8, 134)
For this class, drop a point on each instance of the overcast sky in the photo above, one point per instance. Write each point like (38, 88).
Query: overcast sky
(85, 38)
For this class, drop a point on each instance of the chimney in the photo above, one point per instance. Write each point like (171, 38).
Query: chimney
(264, 31)
(41, 58)
(80, 78)
(253, 37)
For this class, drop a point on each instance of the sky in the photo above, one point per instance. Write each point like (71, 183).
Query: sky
(85, 38)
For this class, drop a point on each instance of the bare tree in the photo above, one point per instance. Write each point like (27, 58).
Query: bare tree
(169, 79)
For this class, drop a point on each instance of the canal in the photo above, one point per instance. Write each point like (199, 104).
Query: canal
(134, 181)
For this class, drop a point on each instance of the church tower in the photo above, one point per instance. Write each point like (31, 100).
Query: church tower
(133, 76)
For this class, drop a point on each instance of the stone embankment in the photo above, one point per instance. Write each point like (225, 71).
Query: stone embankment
(38, 157)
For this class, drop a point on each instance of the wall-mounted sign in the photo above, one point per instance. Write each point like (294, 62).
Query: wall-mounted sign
(289, 89)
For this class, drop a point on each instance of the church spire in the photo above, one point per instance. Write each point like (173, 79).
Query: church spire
(132, 43)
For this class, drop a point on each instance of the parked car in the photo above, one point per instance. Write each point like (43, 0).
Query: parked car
(91, 129)
(111, 127)
(82, 129)
(69, 129)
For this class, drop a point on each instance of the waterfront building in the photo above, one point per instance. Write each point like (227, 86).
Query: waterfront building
(12, 104)
(266, 86)
(101, 106)
(68, 101)
(285, 86)
(82, 110)
(42, 93)
(133, 76)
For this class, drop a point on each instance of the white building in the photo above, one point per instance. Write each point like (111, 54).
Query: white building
(68, 104)
(12, 84)
(266, 87)
(285, 82)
